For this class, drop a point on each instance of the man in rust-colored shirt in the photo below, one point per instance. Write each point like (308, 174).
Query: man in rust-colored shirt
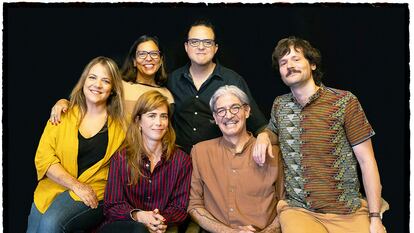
(229, 191)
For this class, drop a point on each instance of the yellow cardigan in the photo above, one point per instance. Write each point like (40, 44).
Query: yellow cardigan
(59, 144)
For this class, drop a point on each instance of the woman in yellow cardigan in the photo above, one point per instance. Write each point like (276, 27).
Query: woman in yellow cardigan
(72, 159)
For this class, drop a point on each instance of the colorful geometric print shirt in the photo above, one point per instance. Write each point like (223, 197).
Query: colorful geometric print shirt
(316, 143)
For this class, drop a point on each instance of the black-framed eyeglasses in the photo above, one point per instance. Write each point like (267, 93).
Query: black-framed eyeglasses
(196, 42)
(234, 109)
(153, 54)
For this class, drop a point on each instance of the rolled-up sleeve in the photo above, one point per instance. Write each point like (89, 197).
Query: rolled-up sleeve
(46, 150)
(196, 190)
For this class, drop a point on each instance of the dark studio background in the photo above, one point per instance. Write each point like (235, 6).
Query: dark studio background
(364, 50)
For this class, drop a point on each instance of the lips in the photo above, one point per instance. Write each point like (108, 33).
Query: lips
(149, 66)
(231, 122)
(96, 92)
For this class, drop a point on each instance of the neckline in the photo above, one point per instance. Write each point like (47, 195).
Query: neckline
(146, 84)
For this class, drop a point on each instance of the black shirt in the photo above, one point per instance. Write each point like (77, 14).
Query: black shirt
(193, 120)
(91, 150)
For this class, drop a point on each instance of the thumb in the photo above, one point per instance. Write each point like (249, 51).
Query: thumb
(270, 150)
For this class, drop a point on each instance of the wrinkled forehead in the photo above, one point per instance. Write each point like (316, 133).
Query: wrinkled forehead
(227, 100)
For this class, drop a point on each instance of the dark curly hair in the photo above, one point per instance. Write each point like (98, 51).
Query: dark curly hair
(311, 54)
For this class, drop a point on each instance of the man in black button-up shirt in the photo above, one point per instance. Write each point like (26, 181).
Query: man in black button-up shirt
(193, 85)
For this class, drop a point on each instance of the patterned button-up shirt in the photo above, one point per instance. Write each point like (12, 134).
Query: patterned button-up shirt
(316, 141)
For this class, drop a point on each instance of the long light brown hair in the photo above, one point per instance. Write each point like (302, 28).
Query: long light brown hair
(114, 103)
(134, 142)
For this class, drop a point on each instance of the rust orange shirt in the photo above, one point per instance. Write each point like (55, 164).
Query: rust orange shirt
(231, 186)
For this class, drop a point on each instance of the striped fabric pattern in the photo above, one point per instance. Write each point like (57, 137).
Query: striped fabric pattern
(316, 142)
(166, 188)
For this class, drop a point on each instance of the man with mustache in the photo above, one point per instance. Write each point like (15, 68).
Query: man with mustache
(229, 191)
(323, 135)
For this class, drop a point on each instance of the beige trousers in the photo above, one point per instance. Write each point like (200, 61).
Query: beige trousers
(300, 220)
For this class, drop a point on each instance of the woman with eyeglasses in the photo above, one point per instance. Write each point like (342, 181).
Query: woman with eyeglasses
(149, 178)
(72, 159)
(143, 70)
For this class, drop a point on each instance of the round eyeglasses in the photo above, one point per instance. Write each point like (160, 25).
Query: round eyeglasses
(234, 109)
(196, 42)
(143, 54)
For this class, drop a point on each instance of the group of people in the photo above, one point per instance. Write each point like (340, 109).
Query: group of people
(135, 151)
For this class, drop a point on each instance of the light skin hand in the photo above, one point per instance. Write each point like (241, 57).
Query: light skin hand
(60, 107)
(152, 220)
(86, 194)
(376, 226)
(262, 147)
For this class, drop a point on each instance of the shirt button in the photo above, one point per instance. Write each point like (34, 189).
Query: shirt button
(231, 209)
(195, 113)
(147, 165)
(150, 181)
(148, 198)
(194, 129)
(196, 96)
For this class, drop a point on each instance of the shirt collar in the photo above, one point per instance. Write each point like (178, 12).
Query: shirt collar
(217, 72)
(312, 98)
(231, 147)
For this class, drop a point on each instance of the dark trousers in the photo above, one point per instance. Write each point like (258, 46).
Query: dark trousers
(124, 227)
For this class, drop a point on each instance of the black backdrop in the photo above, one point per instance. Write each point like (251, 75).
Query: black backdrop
(364, 49)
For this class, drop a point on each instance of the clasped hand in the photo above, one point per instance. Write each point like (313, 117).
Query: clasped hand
(153, 220)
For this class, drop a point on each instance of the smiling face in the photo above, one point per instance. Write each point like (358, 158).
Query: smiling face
(201, 55)
(231, 124)
(98, 85)
(295, 69)
(154, 124)
(147, 66)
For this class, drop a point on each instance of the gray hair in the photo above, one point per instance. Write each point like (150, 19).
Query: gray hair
(228, 89)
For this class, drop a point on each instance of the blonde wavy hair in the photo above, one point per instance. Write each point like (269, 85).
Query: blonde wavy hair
(114, 103)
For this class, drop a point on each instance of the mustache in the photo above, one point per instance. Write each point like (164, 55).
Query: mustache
(225, 119)
(292, 71)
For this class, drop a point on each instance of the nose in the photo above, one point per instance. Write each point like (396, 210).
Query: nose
(201, 46)
(290, 64)
(158, 120)
(98, 83)
(148, 57)
(228, 114)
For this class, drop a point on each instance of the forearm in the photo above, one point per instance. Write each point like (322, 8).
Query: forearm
(58, 174)
(207, 221)
(370, 175)
(272, 136)
(372, 186)
(118, 211)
